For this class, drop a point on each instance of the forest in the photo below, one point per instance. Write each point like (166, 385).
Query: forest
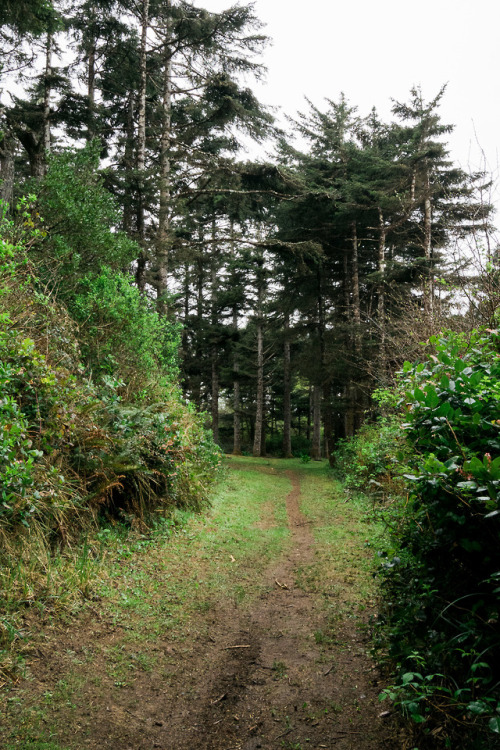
(166, 298)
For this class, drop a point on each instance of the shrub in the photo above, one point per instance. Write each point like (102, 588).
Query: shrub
(121, 334)
(367, 462)
(441, 580)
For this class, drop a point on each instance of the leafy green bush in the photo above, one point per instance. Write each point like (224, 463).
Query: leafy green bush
(121, 334)
(80, 220)
(367, 462)
(73, 448)
(440, 619)
(92, 423)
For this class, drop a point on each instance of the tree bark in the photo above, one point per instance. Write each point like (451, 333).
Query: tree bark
(316, 443)
(381, 296)
(356, 305)
(163, 234)
(215, 395)
(356, 316)
(236, 394)
(7, 150)
(328, 422)
(46, 95)
(128, 161)
(427, 242)
(214, 322)
(287, 391)
(141, 149)
(259, 411)
(34, 146)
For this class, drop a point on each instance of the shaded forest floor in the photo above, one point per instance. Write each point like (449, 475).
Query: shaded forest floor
(245, 628)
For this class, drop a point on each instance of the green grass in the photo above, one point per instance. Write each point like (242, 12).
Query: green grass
(194, 567)
(163, 581)
(156, 583)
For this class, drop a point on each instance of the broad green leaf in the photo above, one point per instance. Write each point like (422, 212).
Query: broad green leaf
(444, 382)
(494, 724)
(431, 399)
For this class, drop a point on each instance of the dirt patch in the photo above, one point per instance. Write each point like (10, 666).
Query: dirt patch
(258, 676)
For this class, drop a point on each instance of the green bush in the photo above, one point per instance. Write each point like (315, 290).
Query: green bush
(367, 462)
(72, 446)
(81, 221)
(121, 334)
(441, 580)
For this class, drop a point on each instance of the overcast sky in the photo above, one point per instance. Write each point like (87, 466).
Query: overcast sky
(375, 50)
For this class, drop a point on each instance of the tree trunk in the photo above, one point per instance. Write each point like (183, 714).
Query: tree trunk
(128, 162)
(429, 276)
(215, 395)
(185, 325)
(381, 297)
(7, 150)
(141, 149)
(356, 306)
(259, 411)
(162, 237)
(287, 392)
(357, 395)
(197, 375)
(309, 414)
(91, 86)
(263, 427)
(236, 394)
(46, 95)
(316, 443)
(328, 422)
(33, 145)
(214, 352)
(259, 414)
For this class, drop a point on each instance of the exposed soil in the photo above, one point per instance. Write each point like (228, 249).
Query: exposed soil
(257, 679)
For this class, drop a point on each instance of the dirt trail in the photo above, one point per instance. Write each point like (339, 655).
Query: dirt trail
(262, 681)
(260, 678)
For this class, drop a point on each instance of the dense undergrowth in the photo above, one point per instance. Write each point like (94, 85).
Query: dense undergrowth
(93, 427)
(437, 489)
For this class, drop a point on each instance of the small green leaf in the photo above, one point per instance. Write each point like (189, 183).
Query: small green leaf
(494, 724)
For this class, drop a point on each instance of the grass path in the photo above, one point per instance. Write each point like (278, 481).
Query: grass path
(243, 628)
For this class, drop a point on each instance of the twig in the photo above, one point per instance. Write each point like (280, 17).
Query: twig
(227, 648)
(285, 734)
(329, 670)
(281, 585)
(218, 700)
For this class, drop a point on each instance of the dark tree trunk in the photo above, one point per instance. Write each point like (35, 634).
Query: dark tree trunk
(7, 150)
(427, 243)
(381, 297)
(316, 443)
(46, 96)
(141, 150)
(236, 394)
(128, 162)
(214, 350)
(287, 392)
(259, 413)
(162, 237)
(328, 421)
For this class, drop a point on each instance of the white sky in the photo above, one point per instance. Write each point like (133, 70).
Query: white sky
(375, 50)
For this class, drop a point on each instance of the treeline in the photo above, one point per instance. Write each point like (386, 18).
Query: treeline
(294, 279)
